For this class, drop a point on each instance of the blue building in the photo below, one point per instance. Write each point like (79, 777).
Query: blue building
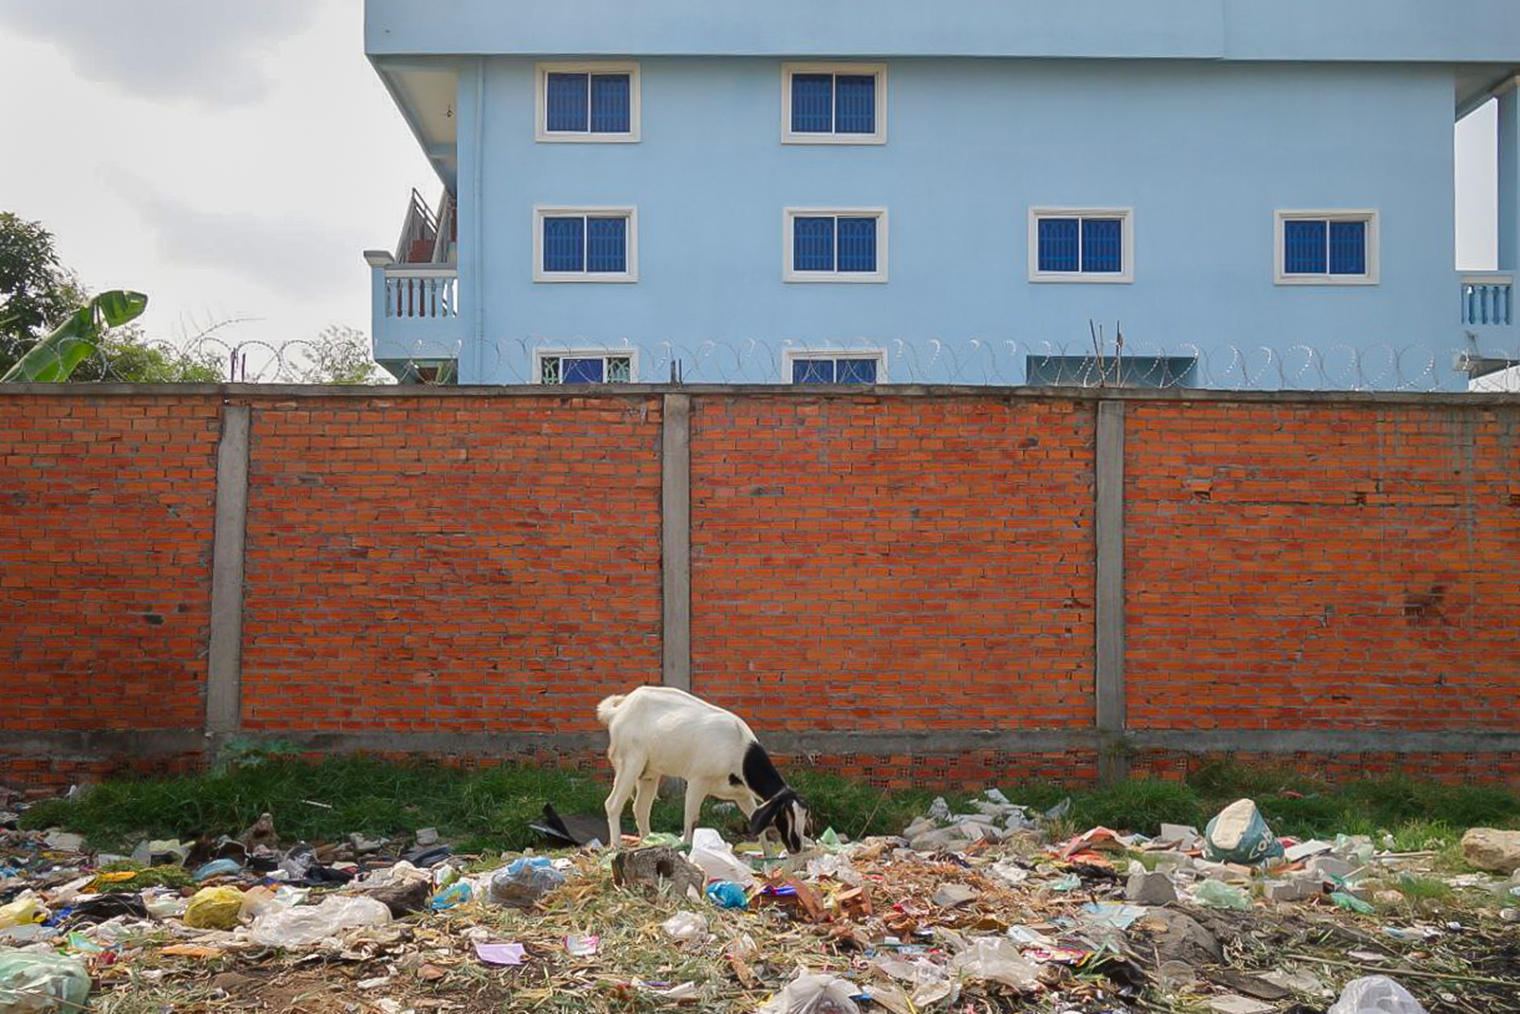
(1253, 194)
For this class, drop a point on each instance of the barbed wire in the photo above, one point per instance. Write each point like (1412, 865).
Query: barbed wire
(211, 357)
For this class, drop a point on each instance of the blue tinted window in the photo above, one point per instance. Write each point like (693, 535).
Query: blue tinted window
(812, 103)
(857, 244)
(855, 371)
(564, 244)
(581, 371)
(610, 98)
(606, 244)
(1060, 244)
(566, 101)
(1102, 245)
(1348, 248)
(1305, 248)
(813, 244)
(855, 104)
(812, 371)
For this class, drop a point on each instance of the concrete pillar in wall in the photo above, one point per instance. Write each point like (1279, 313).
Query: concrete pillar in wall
(1509, 181)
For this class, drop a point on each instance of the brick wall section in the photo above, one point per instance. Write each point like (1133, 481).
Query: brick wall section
(893, 563)
(1322, 566)
(450, 565)
(105, 546)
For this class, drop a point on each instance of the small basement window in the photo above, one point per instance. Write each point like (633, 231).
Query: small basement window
(1149, 372)
(584, 366)
(587, 102)
(823, 367)
(833, 103)
(1327, 248)
(585, 245)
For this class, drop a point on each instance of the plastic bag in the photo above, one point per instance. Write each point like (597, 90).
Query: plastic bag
(523, 881)
(726, 894)
(997, 959)
(1375, 994)
(716, 859)
(35, 983)
(1215, 894)
(1239, 834)
(457, 893)
(814, 994)
(24, 911)
(214, 908)
(304, 926)
(217, 868)
(686, 928)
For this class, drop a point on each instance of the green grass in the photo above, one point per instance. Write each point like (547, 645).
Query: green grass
(481, 809)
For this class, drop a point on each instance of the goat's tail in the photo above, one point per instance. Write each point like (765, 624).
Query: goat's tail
(608, 708)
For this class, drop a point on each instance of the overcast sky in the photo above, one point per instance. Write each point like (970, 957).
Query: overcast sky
(233, 160)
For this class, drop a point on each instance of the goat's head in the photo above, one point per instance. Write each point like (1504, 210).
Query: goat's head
(789, 815)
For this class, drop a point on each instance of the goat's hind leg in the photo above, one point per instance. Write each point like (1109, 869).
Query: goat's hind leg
(643, 802)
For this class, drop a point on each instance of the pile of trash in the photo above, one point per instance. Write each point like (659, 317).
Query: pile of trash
(977, 911)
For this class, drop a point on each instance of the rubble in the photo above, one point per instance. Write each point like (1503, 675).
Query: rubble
(1492, 850)
(974, 907)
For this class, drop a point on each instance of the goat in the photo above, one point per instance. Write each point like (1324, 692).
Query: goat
(662, 731)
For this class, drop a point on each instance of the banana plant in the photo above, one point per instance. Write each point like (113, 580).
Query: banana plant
(51, 360)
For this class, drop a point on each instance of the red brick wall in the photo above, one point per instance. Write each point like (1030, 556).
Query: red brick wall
(445, 564)
(105, 561)
(1293, 566)
(893, 563)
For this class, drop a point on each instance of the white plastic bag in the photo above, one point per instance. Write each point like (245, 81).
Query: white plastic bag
(716, 859)
(1376, 994)
(686, 928)
(306, 925)
(997, 959)
(814, 994)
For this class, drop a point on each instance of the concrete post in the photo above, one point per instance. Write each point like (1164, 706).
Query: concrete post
(224, 682)
(1509, 181)
(1109, 613)
(675, 540)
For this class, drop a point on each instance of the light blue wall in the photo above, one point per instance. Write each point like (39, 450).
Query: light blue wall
(1202, 151)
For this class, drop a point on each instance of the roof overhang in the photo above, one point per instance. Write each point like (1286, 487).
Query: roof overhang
(426, 90)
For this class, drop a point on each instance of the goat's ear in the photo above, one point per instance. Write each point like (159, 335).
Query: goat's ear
(766, 815)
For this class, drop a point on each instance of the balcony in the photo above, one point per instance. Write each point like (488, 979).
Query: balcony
(1488, 299)
(415, 291)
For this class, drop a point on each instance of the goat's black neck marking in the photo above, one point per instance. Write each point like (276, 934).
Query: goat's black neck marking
(760, 774)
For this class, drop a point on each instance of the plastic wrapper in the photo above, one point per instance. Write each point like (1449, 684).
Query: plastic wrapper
(41, 983)
(997, 959)
(308, 924)
(1376, 994)
(523, 881)
(1214, 894)
(686, 928)
(716, 859)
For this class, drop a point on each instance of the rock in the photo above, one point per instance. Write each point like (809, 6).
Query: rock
(1184, 835)
(1388, 897)
(1171, 862)
(1293, 889)
(953, 895)
(1182, 938)
(403, 896)
(427, 836)
(231, 982)
(363, 846)
(1489, 849)
(1150, 889)
(1298, 853)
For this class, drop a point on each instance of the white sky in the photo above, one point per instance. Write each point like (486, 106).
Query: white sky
(233, 160)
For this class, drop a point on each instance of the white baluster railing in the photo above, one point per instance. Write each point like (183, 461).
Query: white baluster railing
(413, 291)
(1488, 299)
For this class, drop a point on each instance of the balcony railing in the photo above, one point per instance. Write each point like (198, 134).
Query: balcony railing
(1488, 300)
(421, 291)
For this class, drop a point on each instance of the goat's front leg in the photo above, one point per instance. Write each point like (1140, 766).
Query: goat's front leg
(695, 793)
(624, 779)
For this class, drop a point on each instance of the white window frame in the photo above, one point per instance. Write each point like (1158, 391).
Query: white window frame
(788, 136)
(1281, 217)
(631, 353)
(790, 355)
(790, 274)
(541, 131)
(1127, 249)
(630, 237)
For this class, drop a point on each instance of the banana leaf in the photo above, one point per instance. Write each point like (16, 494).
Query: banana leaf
(51, 360)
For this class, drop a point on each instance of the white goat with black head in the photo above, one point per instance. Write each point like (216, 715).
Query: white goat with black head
(661, 731)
